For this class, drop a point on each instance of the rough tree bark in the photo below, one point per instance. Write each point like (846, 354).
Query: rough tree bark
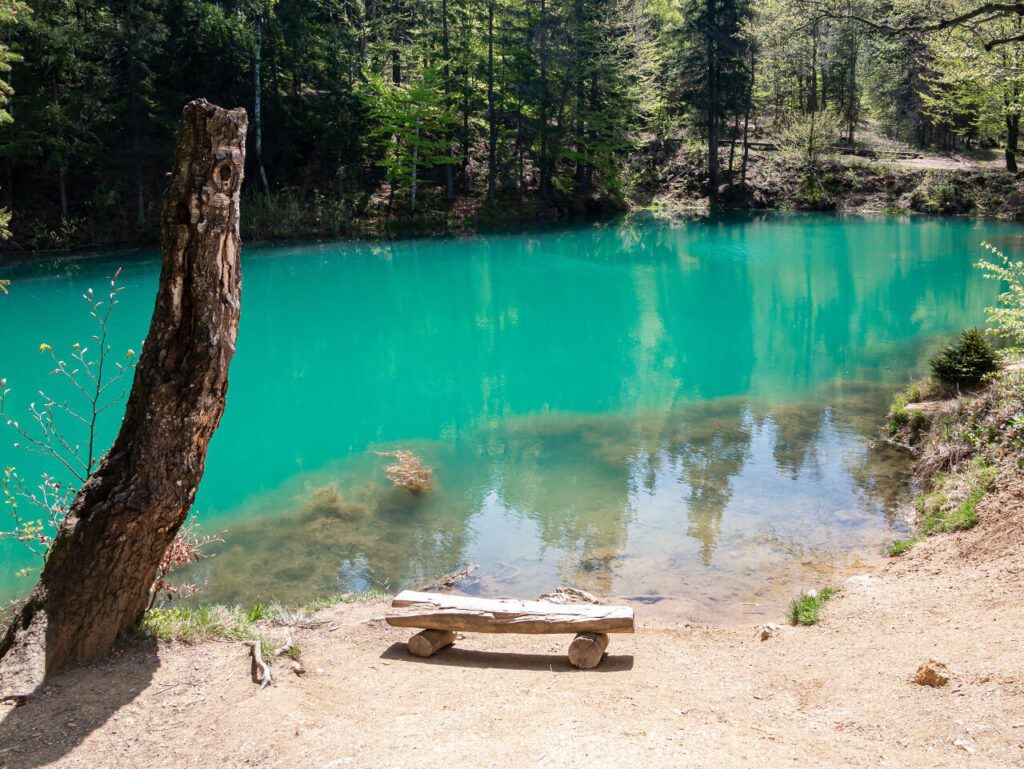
(96, 581)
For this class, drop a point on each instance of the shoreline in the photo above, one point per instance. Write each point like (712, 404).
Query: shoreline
(677, 693)
(12, 261)
(846, 685)
(863, 188)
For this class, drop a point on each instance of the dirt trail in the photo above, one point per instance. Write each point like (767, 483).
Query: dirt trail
(673, 695)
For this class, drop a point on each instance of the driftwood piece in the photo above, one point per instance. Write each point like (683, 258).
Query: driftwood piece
(285, 647)
(569, 595)
(457, 580)
(260, 669)
(433, 611)
(428, 642)
(96, 582)
(587, 650)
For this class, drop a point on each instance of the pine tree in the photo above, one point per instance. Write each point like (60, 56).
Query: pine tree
(413, 123)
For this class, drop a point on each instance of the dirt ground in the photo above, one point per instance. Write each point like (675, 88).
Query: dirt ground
(840, 694)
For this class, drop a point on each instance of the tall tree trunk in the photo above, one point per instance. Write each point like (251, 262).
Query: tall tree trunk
(415, 164)
(1012, 135)
(712, 104)
(97, 579)
(812, 76)
(851, 108)
(449, 176)
(257, 105)
(63, 185)
(545, 169)
(492, 129)
(135, 119)
(579, 128)
(732, 142)
(746, 120)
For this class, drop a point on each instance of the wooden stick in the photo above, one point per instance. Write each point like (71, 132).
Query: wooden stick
(433, 611)
(259, 666)
(286, 646)
(587, 650)
(428, 642)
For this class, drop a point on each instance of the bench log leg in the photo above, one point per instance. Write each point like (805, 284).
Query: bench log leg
(587, 650)
(427, 642)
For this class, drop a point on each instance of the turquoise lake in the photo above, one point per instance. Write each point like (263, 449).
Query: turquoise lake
(681, 413)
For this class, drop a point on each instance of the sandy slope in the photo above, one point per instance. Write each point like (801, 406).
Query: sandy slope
(839, 694)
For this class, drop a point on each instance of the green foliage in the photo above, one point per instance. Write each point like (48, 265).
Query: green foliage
(953, 504)
(193, 624)
(903, 421)
(965, 362)
(502, 99)
(899, 547)
(1008, 317)
(974, 90)
(899, 417)
(256, 612)
(942, 192)
(334, 600)
(412, 126)
(806, 608)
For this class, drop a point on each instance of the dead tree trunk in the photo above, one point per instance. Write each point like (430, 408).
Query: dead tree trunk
(96, 581)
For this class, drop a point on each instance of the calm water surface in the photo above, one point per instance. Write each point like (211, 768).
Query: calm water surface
(676, 412)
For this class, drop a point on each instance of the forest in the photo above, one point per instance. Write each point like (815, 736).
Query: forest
(359, 107)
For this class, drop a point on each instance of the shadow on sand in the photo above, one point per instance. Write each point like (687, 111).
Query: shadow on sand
(471, 658)
(58, 716)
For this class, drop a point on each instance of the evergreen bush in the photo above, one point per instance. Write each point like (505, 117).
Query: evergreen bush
(966, 361)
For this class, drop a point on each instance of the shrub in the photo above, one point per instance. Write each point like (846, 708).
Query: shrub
(806, 609)
(1008, 317)
(966, 361)
(899, 547)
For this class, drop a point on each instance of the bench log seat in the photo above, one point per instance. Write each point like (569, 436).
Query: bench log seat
(440, 616)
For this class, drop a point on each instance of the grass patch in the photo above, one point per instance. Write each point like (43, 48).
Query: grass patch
(899, 417)
(806, 609)
(193, 624)
(945, 511)
(362, 596)
(899, 547)
(186, 624)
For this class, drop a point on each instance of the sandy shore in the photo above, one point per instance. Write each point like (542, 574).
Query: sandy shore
(672, 695)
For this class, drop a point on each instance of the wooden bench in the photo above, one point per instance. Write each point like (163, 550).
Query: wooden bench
(441, 616)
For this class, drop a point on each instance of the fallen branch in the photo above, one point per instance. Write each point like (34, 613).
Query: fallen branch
(18, 698)
(568, 595)
(285, 648)
(898, 445)
(259, 666)
(453, 581)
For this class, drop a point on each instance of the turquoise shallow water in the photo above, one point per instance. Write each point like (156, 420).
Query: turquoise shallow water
(638, 408)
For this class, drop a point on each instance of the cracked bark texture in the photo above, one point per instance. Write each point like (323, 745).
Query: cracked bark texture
(96, 582)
